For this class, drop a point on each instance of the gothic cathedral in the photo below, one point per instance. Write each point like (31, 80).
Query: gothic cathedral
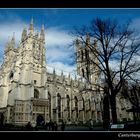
(28, 89)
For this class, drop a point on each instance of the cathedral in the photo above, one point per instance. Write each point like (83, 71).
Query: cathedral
(29, 88)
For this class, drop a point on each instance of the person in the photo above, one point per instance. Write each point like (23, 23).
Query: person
(62, 126)
(106, 124)
(47, 126)
(2, 120)
(55, 126)
(29, 126)
(91, 124)
(50, 125)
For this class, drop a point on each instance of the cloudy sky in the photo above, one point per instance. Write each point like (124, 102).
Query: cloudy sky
(58, 24)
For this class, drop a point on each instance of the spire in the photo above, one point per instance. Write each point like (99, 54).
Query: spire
(69, 75)
(8, 45)
(87, 38)
(13, 40)
(95, 42)
(75, 77)
(42, 34)
(77, 45)
(24, 34)
(32, 21)
(31, 27)
(77, 42)
(54, 71)
(42, 29)
(62, 73)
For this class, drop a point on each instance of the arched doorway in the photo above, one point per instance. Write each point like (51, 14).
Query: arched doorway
(40, 120)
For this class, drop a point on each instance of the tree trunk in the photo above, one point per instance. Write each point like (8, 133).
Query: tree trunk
(113, 108)
(106, 113)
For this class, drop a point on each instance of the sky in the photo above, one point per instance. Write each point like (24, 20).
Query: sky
(58, 25)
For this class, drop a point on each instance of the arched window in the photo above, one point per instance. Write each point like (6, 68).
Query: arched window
(49, 98)
(76, 106)
(86, 54)
(59, 105)
(11, 75)
(10, 92)
(82, 55)
(87, 72)
(83, 73)
(36, 93)
(83, 103)
(89, 103)
(68, 106)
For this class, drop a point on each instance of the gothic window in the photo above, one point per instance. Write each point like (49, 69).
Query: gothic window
(49, 98)
(87, 72)
(68, 106)
(34, 81)
(86, 54)
(76, 106)
(89, 103)
(82, 55)
(10, 92)
(83, 103)
(83, 73)
(59, 105)
(11, 75)
(36, 93)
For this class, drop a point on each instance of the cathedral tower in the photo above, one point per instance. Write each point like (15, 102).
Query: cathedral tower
(85, 57)
(23, 77)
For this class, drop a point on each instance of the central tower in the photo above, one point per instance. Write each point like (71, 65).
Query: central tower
(86, 60)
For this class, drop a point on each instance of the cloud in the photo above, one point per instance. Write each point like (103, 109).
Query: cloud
(135, 23)
(56, 36)
(6, 32)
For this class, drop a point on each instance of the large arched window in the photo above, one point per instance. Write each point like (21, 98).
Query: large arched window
(76, 106)
(49, 98)
(89, 103)
(83, 73)
(36, 93)
(87, 73)
(11, 75)
(68, 106)
(59, 105)
(87, 54)
(82, 55)
(83, 103)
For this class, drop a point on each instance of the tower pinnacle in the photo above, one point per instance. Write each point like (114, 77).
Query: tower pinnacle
(42, 34)
(31, 27)
(13, 40)
(87, 38)
(24, 34)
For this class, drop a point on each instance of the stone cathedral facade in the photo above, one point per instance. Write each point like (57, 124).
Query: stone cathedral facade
(29, 88)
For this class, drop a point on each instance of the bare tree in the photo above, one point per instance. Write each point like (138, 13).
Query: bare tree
(116, 54)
